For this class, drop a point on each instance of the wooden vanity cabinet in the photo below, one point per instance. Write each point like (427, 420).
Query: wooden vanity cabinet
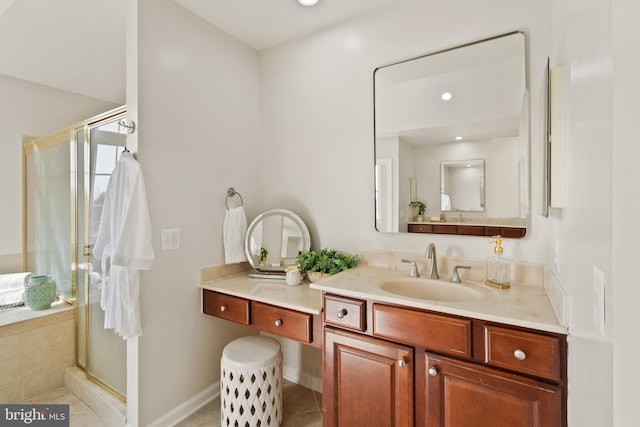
(459, 392)
(285, 322)
(462, 371)
(366, 381)
(467, 229)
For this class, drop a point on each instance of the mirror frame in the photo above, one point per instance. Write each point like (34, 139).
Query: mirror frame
(513, 227)
(306, 238)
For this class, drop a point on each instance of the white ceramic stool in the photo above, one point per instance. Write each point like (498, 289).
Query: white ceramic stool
(251, 383)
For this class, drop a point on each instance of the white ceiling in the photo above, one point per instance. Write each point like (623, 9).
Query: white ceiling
(79, 45)
(265, 23)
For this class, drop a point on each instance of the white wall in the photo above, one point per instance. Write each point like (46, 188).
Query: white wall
(29, 109)
(582, 43)
(626, 204)
(198, 121)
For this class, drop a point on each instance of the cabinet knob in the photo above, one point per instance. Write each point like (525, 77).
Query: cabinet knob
(278, 322)
(433, 371)
(402, 363)
(519, 354)
(342, 313)
(223, 308)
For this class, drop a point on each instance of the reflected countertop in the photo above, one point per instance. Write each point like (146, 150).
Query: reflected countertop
(269, 291)
(526, 306)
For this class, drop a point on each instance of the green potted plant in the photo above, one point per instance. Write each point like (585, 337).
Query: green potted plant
(263, 255)
(325, 262)
(421, 208)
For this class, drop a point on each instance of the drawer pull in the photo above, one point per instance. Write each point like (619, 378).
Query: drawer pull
(519, 354)
(402, 363)
(223, 308)
(342, 313)
(278, 322)
(433, 371)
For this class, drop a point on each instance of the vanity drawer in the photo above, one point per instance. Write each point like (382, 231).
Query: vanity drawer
(445, 334)
(225, 306)
(281, 321)
(344, 312)
(525, 352)
(420, 228)
(445, 229)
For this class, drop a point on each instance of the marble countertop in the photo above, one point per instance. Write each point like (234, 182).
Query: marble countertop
(269, 291)
(526, 306)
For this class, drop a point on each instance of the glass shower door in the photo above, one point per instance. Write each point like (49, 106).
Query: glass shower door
(65, 178)
(105, 351)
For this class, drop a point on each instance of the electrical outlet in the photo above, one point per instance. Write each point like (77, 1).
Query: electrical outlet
(556, 255)
(170, 238)
(598, 299)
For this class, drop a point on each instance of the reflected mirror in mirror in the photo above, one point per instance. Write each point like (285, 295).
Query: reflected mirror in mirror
(273, 241)
(467, 102)
(462, 186)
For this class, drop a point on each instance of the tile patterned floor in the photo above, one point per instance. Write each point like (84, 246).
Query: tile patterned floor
(302, 408)
(80, 415)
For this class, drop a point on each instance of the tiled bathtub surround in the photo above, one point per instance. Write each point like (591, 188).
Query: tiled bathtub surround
(34, 351)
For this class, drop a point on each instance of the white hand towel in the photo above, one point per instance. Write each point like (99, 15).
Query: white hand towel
(14, 280)
(233, 232)
(12, 287)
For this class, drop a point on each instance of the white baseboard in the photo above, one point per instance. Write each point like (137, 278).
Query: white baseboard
(187, 408)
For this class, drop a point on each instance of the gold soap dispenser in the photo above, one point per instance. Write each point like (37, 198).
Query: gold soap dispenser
(498, 267)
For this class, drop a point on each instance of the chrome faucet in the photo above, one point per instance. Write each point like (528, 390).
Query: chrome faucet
(455, 277)
(414, 268)
(431, 254)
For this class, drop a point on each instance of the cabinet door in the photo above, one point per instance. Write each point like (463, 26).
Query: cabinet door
(367, 381)
(461, 394)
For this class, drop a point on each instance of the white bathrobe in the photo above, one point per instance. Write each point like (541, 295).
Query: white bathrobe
(124, 246)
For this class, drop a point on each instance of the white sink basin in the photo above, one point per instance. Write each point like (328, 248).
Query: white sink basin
(435, 290)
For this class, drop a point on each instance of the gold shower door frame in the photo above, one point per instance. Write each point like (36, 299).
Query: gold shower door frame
(32, 145)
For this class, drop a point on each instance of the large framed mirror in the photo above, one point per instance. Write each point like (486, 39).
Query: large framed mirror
(453, 116)
(273, 241)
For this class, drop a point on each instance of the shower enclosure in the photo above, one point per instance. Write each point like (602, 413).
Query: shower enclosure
(65, 176)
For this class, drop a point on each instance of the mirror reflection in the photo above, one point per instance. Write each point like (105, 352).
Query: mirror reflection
(273, 241)
(451, 131)
(462, 187)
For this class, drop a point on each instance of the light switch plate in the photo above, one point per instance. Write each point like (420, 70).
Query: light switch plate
(170, 238)
(598, 299)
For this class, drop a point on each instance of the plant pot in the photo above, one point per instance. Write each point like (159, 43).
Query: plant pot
(419, 218)
(315, 276)
(40, 292)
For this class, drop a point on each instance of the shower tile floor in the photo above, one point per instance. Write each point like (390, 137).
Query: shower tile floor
(302, 408)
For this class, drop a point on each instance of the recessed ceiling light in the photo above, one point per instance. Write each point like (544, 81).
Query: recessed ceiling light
(458, 138)
(307, 2)
(446, 96)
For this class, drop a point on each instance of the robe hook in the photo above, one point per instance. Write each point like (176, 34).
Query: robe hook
(129, 126)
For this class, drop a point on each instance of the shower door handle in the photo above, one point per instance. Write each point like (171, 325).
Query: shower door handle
(86, 250)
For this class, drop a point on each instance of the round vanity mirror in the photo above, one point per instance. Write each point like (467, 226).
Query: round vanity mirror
(273, 241)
